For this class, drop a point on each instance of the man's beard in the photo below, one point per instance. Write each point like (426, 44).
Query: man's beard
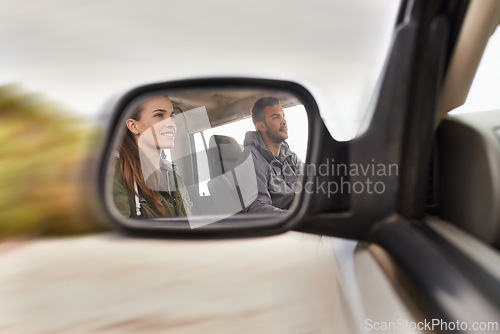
(277, 137)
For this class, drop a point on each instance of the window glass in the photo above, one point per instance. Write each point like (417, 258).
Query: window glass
(201, 163)
(296, 118)
(483, 94)
(195, 152)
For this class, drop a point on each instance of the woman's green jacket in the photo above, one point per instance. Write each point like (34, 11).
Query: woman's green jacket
(175, 203)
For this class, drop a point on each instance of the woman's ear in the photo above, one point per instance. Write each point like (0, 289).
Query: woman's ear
(132, 126)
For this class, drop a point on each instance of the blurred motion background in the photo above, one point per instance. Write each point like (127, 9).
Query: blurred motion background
(45, 174)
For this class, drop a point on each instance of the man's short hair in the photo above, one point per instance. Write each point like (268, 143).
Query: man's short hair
(260, 105)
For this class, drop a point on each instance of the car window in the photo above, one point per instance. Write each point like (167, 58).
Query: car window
(195, 152)
(295, 116)
(483, 94)
(469, 159)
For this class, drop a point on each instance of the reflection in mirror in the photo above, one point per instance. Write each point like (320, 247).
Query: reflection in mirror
(207, 154)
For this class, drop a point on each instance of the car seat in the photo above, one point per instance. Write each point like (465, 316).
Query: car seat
(223, 153)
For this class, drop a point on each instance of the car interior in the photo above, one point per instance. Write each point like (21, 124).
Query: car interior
(464, 186)
(206, 151)
(464, 177)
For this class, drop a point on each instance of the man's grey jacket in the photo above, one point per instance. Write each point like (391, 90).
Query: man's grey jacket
(277, 178)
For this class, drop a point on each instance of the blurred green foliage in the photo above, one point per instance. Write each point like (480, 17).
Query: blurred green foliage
(45, 158)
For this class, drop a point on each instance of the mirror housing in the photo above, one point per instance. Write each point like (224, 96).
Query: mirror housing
(207, 225)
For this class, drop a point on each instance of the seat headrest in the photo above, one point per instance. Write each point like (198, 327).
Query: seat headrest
(223, 153)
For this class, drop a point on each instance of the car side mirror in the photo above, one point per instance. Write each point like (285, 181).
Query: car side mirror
(190, 158)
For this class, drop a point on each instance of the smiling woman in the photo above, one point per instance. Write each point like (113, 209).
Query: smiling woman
(139, 175)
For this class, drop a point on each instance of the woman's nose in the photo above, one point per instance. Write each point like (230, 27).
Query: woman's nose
(169, 122)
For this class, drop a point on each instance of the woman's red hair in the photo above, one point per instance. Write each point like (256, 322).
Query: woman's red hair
(130, 167)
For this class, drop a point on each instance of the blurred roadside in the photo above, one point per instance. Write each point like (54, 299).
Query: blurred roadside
(46, 158)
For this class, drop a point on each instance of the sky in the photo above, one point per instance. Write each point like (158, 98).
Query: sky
(483, 94)
(84, 53)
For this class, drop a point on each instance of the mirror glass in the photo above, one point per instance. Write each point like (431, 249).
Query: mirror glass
(207, 154)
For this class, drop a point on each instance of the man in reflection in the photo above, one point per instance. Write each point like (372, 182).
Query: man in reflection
(277, 168)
